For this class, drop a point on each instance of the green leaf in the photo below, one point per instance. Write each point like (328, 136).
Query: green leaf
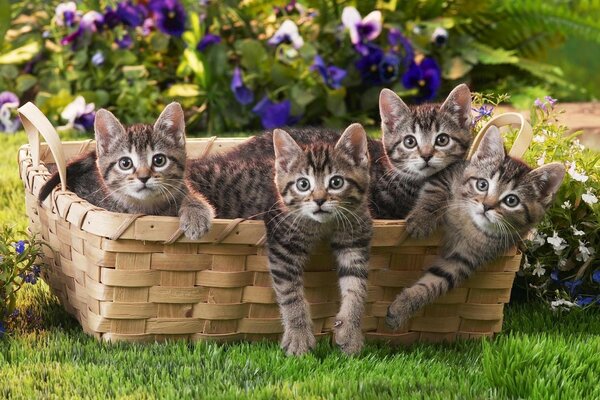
(159, 43)
(184, 90)
(253, 54)
(302, 96)
(4, 18)
(455, 68)
(195, 64)
(489, 55)
(135, 72)
(336, 102)
(21, 54)
(25, 82)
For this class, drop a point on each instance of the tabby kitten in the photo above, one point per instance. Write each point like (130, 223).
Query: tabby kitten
(417, 143)
(140, 170)
(485, 206)
(304, 193)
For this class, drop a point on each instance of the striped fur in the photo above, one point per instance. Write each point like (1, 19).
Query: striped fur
(268, 186)
(479, 224)
(146, 186)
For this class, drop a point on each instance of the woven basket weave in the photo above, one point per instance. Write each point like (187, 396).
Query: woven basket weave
(132, 277)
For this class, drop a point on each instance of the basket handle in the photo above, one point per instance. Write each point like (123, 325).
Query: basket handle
(35, 124)
(522, 141)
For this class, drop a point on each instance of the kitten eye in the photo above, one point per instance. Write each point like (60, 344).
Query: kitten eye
(303, 184)
(409, 141)
(159, 160)
(511, 200)
(482, 185)
(442, 139)
(336, 182)
(125, 163)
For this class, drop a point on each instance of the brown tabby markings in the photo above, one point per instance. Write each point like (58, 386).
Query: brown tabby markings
(304, 193)
(139, 170)
(485, 206)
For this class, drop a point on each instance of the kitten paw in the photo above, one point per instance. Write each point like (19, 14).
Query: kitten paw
(296, 342)
(398, 312)
(348, 336)
(418, 229)
(195, 222)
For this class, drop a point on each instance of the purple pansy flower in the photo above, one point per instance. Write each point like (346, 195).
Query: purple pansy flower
(170, 16)
(242, 93)
(583, 301)
(425, 76)
(90, 22)
(124, 42)
(208, 40)
(389, 68)
(332, 75)
(79, 115)
(131, 14)
(98, 58)
(362, 30)
(8, 103)
(287, 33)
(573, 286)
(596, 276)
(111, 18)
(147, 26)
(274, 115)
(66, 14)
(396, 39)
(368, 64)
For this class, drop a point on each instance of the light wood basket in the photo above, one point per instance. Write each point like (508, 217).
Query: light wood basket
(137, 278)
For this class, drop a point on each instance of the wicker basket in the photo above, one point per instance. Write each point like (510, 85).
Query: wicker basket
(132, 277)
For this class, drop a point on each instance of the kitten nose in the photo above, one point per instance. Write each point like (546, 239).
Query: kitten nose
(320, 202)
(487, 207)
(143, 179)
(426, 157)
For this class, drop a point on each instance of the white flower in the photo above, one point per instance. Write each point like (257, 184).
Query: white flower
(557, 242)
(539, 270)
(567, 204)
(526, 264)
(576, 231)
(539, 239)
(539, 138)
(70, 9)
(561, 304)
(576, 143)
(542, 159)
(288, 31)
(589, 197)
(578, 176)
(74, 110)
(584, 252)
(562, 263)
(367, 28)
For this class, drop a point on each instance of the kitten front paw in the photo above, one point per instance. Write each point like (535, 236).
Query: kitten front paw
(195, 222)
(348, 336)
(399, 312)
(296, 342)
(419, 228)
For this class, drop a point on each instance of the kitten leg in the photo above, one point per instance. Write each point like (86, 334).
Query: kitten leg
(287, 256)
(352, 257)
(445, 274)
(195, 214)
(425, 216)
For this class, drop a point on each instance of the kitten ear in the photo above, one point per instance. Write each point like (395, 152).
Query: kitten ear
(547, 180)
(458, 104)
(108, 130)
(286, 149)
(391, 109)
(353, 143)
(490, 147)
(171, 123)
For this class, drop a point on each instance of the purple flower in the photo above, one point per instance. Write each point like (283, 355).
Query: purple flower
(596, 276)
(66, 14)
(368, 64)
(91, 22)
(426, 76)
(397, 39)
(124, 42)
(170, 16)
(551, 100)
(36, 270)
(540, 104)
(131, 14)
(389, 68)
(2, 327)
(8, 103)
(98, 58)
(79, 115)
(554, 276)
(362, 30)
(287, 33)
(20, 246)
(583, 301)
(274, 115)
(242, 93)
(482, 112)
(147, 26)
(573, 286)
(332, 75)
(111, 18)
(208, 40)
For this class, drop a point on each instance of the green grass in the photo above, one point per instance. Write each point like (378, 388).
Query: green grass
(540, 355)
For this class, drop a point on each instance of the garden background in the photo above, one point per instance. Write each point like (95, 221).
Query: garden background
(239, 67)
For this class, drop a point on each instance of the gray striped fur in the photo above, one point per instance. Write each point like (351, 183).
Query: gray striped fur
(478, 224)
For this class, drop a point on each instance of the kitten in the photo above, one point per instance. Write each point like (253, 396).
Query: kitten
(304, 193)
(139, 170)
(485, 206)
(417, 142)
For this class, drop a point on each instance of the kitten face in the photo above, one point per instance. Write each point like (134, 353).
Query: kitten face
(143, 164)
(502, 195)
(426, 139)
(322, 182)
